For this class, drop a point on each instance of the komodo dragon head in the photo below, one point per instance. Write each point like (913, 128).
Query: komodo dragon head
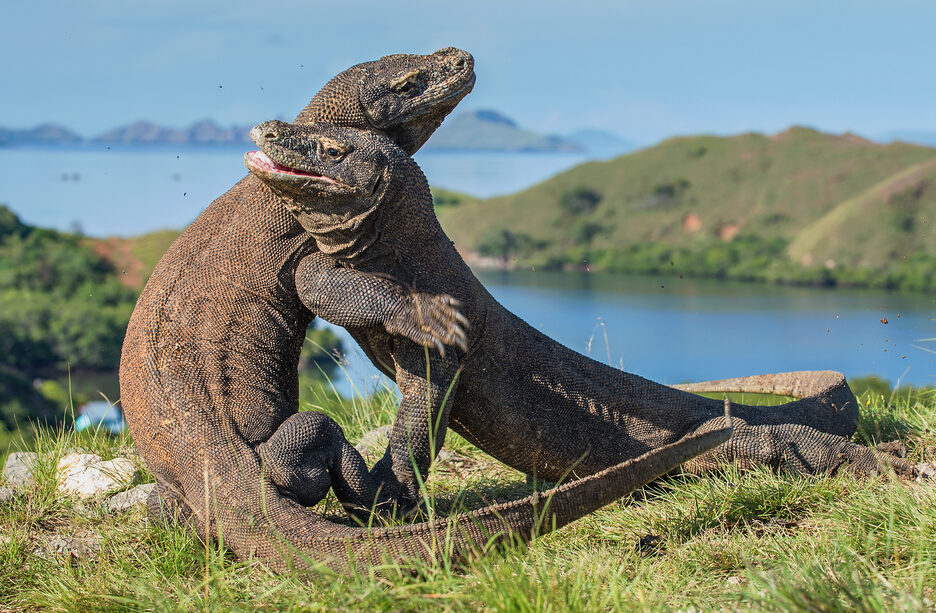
(331, 178)
(319, 161)
(404, 96)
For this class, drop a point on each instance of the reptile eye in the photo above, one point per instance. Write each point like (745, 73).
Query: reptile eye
(332, 152)
(406, 83)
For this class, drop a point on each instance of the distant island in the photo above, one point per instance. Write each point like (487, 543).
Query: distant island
(486, 130)
(482, 130)
(138, 133)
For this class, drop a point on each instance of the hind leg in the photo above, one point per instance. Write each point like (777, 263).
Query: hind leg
(309, 454)
(795, 448)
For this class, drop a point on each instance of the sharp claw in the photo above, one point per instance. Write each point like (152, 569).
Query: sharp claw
(462, 320)
(440, 347)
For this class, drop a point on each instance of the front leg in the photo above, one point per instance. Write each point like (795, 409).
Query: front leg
(421, 422)
(354, 299)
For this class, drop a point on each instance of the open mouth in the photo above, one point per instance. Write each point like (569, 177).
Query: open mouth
(264, 163)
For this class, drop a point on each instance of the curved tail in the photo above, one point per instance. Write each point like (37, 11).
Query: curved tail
(253, 519)
(826, 402)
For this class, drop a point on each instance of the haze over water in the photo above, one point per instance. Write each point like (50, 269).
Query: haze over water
(667, 329)
(128, 190)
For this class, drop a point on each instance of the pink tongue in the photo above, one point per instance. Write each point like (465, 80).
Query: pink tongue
(261, 160)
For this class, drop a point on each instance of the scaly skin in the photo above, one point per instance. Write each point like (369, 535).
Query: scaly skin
(515, 393)
(209, 363)
(209, 386)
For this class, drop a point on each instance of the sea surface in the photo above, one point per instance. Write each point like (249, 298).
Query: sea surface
(678, 330)
(667, 329)
(124, 190)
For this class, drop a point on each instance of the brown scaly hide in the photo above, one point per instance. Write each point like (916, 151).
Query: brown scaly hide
(515, 393)
(208, 375)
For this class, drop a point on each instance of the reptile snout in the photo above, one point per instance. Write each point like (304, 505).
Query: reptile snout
(456, 59)
(266, 131)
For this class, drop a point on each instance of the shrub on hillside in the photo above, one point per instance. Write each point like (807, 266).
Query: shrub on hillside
(584, 232)
(504, 244)
(579, 200)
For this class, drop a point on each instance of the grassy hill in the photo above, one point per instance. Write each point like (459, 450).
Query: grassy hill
(795, 207)
(798, 206)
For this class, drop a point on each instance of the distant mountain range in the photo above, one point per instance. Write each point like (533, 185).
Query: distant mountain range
(482, 130)
(916, 137)
(45, 134)
(202, 132)
(487, 130)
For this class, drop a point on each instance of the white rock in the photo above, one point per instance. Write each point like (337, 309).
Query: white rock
(926, 471)
(69, 549)
(86, 475)
(6, 495)
(20, 468)
(373, 443)
(378, 438)
(132, 497)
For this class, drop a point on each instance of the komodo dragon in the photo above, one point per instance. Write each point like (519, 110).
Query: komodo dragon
(209, 362)
(515, 393)
(209, 367)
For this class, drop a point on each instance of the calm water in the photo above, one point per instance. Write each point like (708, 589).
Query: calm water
(669, 329)
(127, 190)
(674, 330)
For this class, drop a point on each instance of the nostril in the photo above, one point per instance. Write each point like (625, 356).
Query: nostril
(460, 62)
(270, 136)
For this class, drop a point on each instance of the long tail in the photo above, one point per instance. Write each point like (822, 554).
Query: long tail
(255, 520)
(826, 402)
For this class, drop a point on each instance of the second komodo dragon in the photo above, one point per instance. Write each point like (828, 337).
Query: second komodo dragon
(530, 402)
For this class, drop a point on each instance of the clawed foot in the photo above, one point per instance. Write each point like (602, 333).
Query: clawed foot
(431, 320)
(308, 455)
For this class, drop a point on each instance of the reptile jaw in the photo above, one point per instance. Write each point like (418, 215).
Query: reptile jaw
(435, 95)
(260, 161)
(293, 180)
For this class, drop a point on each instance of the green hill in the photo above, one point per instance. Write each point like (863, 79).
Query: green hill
(798, 206)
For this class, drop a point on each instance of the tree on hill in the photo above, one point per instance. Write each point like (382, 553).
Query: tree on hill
(63, 307)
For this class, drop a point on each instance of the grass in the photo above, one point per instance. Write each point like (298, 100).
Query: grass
(754, 541)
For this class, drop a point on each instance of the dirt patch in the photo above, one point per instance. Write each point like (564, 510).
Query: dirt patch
(119, 252)
(692, 222)
(728, 231)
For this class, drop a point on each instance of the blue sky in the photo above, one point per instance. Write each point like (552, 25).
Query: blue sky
(643, 70)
